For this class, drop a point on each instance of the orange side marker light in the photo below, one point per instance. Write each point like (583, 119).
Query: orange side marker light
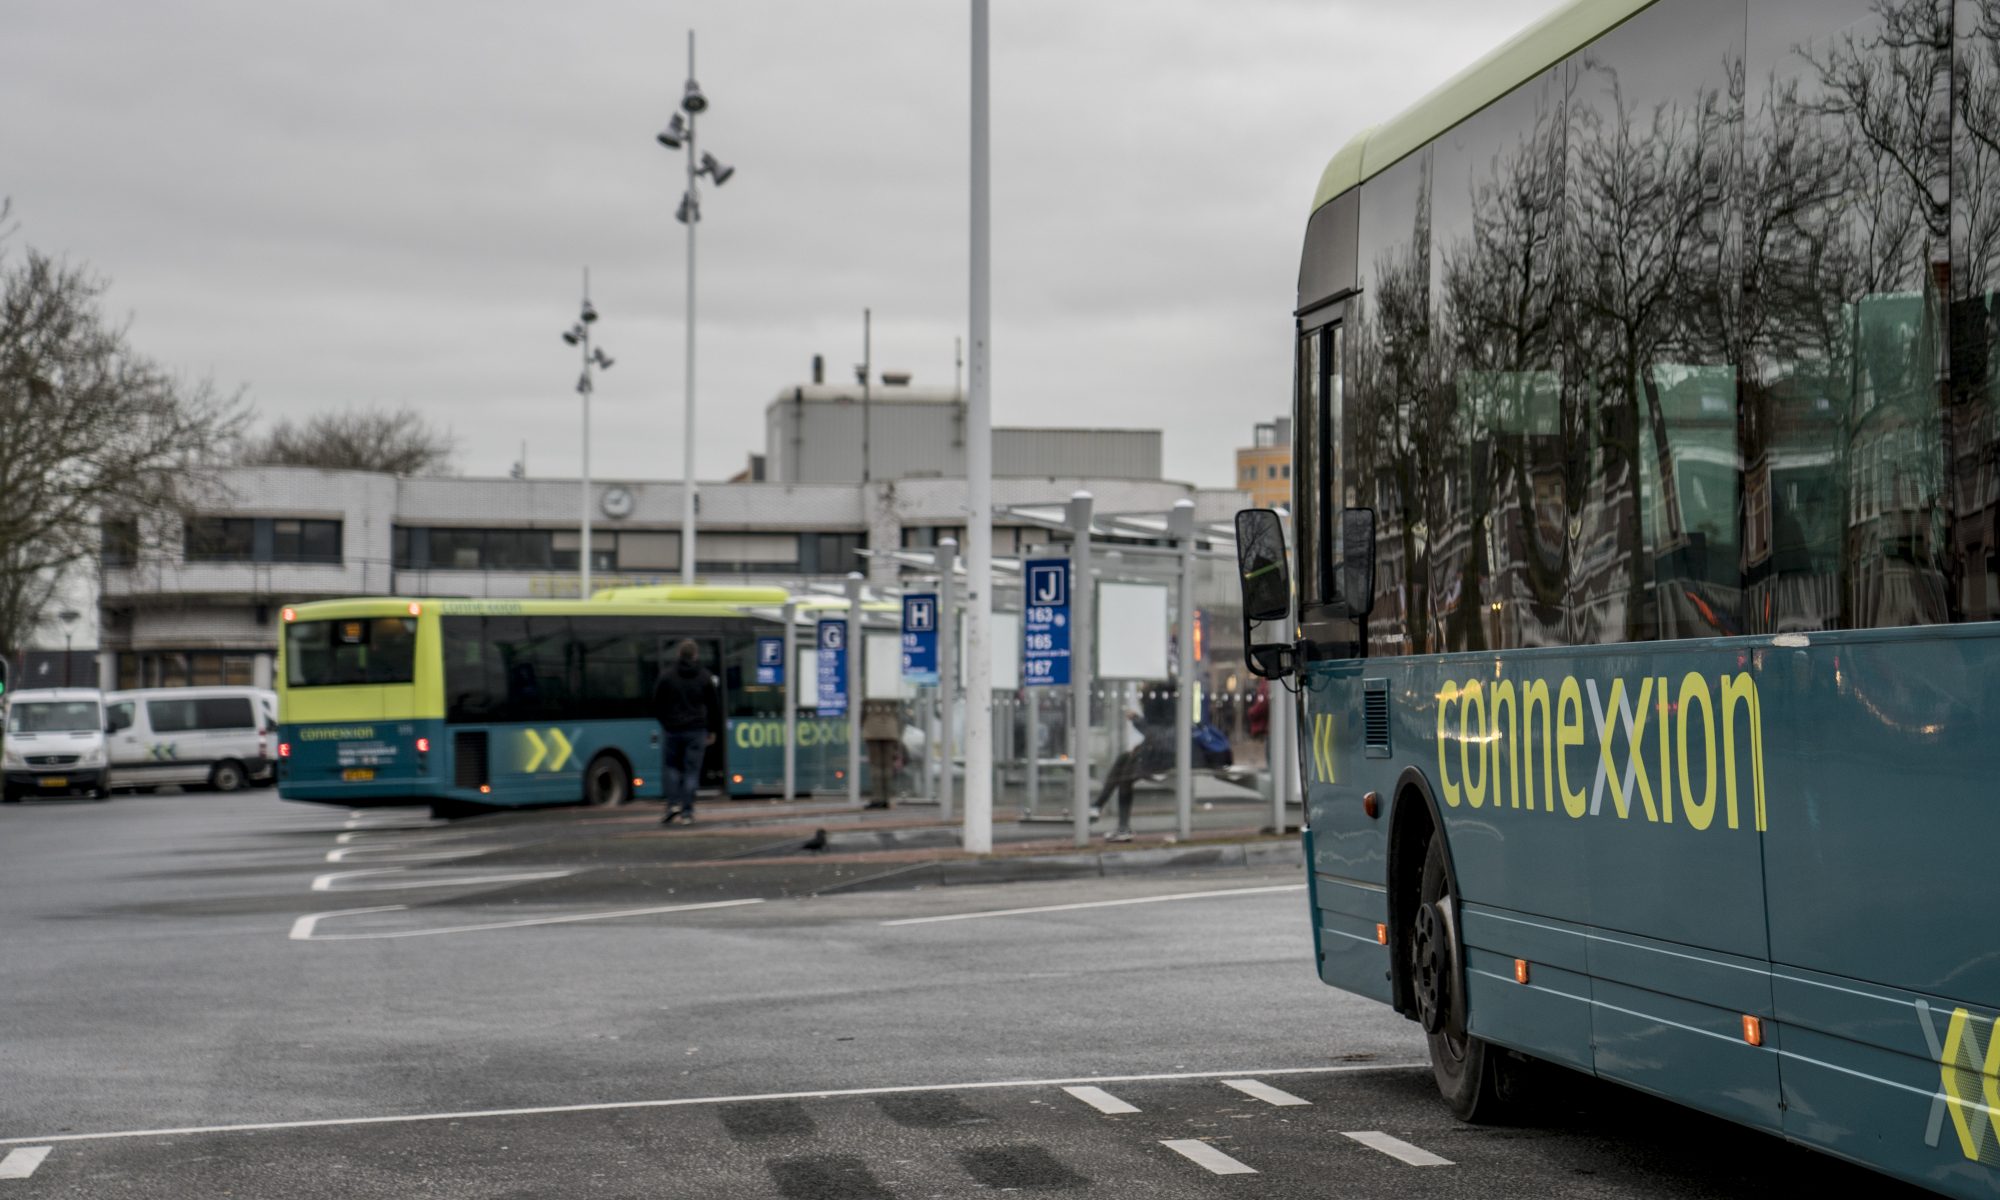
(1520, 970)
(1381, 934)
(1753, 1031)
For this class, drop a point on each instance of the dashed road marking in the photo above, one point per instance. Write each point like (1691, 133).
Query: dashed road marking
(1204, 1155)
(1044, 908)
(400, 853)
(310, 936)
(1101, 1100)
(692, 1101)
(1264, 1092)
(302, 929)
(325, 883)
(1395, 1147)
(21, 1163)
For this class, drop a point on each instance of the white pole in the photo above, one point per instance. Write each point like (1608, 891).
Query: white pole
(1082, 622)
(583, 555)
(687, 426)
(978, 837)
(947, 564)
(790, 694)
(1034, 755)
(1283, 761)
(855, 691)
(1181, 523)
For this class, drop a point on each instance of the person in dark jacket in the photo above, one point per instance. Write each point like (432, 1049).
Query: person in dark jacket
(1153, 754)
(688, 704)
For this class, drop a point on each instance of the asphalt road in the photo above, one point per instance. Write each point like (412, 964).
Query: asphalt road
(207, 996)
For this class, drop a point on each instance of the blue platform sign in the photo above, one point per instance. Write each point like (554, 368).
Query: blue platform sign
(770, 662)
(832, 666)
(1045, 623)
(920, 638)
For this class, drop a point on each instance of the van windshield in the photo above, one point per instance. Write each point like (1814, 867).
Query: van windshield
(53, 716)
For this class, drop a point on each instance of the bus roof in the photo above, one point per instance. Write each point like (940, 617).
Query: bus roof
(1572, 26)
(677, 593)
(396, 606)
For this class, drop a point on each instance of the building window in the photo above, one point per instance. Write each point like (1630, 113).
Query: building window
(1285, 471)
(305, 541)
(221, 539)
(120, 544)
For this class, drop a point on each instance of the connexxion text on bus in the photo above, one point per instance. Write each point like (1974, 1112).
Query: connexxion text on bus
(1647, 511)
(462, 704)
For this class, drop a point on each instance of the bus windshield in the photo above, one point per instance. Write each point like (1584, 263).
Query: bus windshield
(53, 716)
(352, 650)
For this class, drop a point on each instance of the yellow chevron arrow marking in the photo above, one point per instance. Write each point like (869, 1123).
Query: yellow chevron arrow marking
(563, 750)
(1323, 746)
(541, 750)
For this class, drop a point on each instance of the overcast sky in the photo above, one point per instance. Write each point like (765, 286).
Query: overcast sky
(372, 203)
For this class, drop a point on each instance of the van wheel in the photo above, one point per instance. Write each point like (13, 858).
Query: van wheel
(607, 782)
(226, 776)
(1479, 1081)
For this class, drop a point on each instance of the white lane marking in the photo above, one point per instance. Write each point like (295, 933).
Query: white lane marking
(1204, 1155)
(19, 1164)
(1101, 1100)
(325, 883)
(624, 1105)
(1042, 908)
(407, 933)
(1264, 1092)
(1394, 1147)
(302, 929)
(346, 839)
(391, 854)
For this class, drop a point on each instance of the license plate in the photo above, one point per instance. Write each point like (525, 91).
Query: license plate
(55, 781)
(358, 774)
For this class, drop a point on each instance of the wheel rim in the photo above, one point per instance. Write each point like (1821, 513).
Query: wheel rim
(604, 784)
(227, 780)
(1429, 973)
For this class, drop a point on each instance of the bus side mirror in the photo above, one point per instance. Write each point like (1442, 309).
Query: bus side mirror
(1357, 560)
(1267, 591)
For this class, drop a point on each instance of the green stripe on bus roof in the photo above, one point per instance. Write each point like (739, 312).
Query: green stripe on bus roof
(1538, 47)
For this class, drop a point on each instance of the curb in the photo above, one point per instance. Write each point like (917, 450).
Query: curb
(1082, 864)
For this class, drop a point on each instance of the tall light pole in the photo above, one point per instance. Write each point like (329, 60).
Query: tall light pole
(579, 335)
(69, 617)
(680, 132)
(978, 836)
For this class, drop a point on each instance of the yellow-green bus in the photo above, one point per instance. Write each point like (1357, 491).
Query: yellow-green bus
(469, 704)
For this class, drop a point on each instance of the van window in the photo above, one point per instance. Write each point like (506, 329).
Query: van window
(191, 714)
(119, 716)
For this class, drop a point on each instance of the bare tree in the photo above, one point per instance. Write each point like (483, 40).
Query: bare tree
(90, 429)
(397, 443)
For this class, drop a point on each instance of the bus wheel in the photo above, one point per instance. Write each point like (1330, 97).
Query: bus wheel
(1468, 1071)
(606, 782)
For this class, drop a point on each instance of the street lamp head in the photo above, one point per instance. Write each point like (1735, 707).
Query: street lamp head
(572, 336)
(602, 359)
(689, 210)
(715, 170)
(674, 134)
(589, 313)
(583, 384)
(692, 99)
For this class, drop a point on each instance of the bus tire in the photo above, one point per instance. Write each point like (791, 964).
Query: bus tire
(607, 782)
(226, 776)
(1469, 1072)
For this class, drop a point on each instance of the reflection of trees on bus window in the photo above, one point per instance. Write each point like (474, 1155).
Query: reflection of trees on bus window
(350, 651)
(1647, 352)
(582, 667)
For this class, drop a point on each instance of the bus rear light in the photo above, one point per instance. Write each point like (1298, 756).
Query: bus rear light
(416, 610)
(1520, 970)
(284, 749)
(423, 745)
(1381, 934)
(1753, 1030)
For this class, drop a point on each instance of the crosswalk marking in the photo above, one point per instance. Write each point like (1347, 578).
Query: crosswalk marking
(1204, 1155)
(21, 1163)
(1101, 1100)
(1264, 1092)
(1394, 1147)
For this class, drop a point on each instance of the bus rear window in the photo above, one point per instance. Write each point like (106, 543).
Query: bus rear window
(355, 650)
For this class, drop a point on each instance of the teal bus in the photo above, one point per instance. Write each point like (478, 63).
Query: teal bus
(1644, 619)
(465, 705)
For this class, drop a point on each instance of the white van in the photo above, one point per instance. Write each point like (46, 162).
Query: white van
(218, 737)
(54, 745)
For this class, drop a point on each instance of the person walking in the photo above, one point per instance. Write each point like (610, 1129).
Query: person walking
(1153, 754)
(688, 704)
(882, 733)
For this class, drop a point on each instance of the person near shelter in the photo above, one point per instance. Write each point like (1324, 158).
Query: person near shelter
(688, 704)
(882, 733)
(1153, 754)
